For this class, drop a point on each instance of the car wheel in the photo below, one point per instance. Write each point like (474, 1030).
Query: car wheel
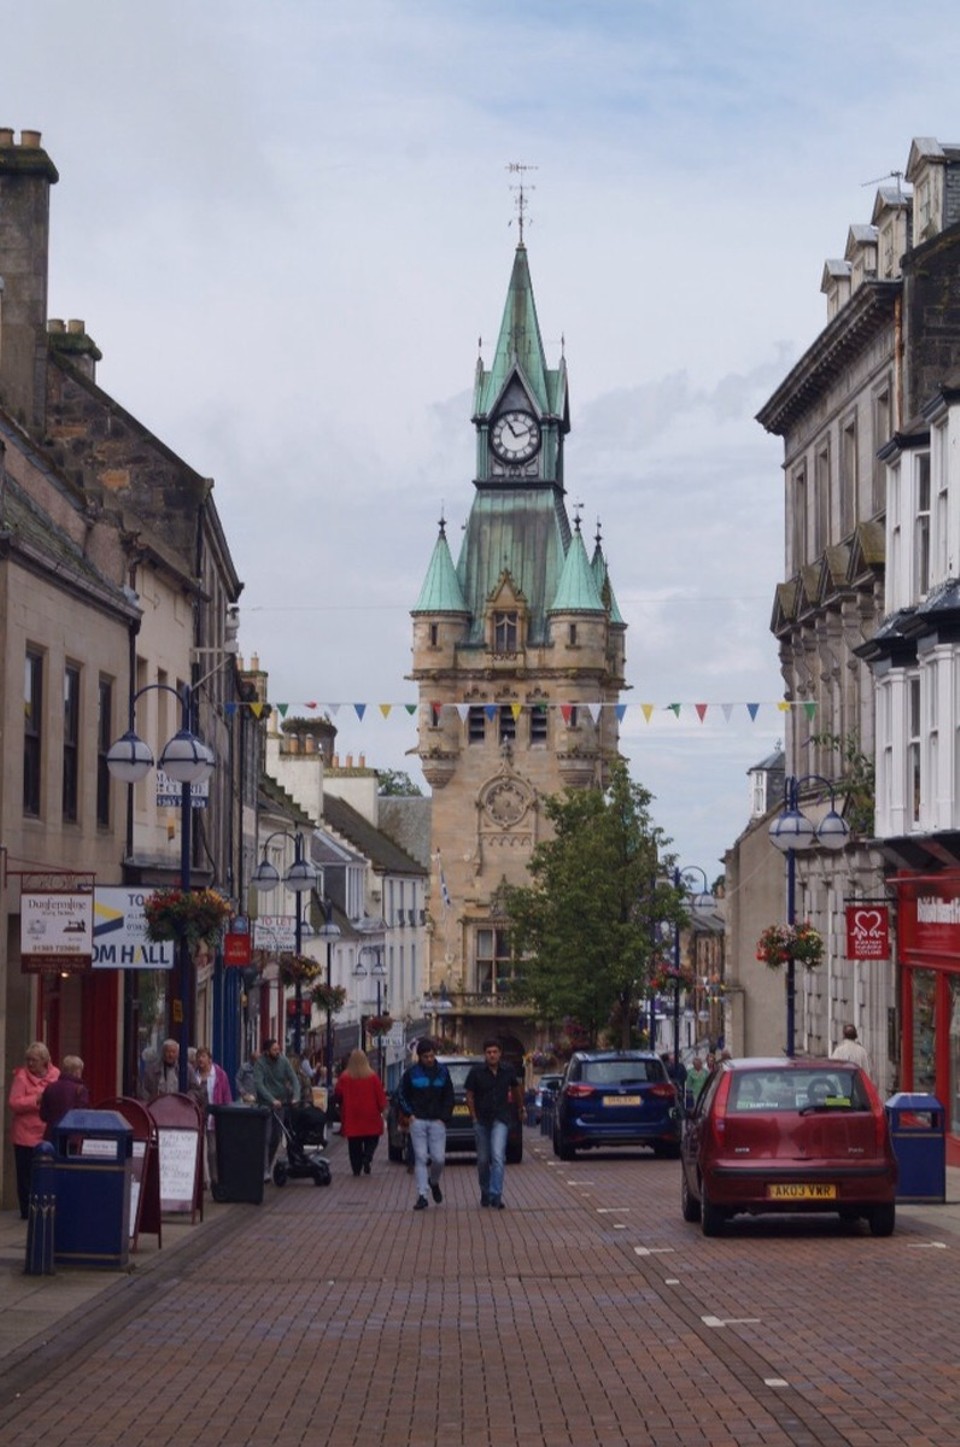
(689, 1205)
(564, 1149)
(711, 1216)
(883, 1219)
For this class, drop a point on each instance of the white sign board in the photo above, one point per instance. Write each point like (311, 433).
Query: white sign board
(179, 1160)
(120, 933)
(59, 924)
(170, 793)
(276, 932)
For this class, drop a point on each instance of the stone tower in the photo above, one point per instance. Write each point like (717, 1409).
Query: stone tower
(518, 653)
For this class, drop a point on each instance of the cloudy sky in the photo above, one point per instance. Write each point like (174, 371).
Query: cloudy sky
(286, 225)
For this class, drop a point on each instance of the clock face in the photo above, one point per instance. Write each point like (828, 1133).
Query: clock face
(515, 436)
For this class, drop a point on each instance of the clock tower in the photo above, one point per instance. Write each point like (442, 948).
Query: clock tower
(518, 653)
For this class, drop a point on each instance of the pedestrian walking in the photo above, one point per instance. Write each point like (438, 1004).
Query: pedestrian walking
(30, 1080)
(697, 1077)
(276, 1086)
(425, 1095)
(851, 1049)
(214, 1089)
(362, 1100)
(67, 1093)
(161, 1075)
(493, 1089)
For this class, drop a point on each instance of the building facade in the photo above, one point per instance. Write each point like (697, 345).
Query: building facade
(518, 655)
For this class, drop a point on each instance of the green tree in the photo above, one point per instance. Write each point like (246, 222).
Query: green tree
(857, 781)
(395, 782)
(588, 928)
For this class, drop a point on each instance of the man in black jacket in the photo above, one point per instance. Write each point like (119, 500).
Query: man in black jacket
(425, 1094)
(493, 1090)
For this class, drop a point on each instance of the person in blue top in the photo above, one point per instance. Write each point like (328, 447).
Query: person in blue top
(425, 1095)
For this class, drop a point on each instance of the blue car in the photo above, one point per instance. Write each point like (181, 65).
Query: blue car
(616, 1098)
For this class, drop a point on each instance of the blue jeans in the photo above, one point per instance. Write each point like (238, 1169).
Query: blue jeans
(491, 1156)
(429, 1141)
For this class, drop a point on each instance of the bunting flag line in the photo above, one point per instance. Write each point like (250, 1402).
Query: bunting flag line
(569, 711)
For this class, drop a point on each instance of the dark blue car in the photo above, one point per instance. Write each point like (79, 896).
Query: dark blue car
(616, 1098)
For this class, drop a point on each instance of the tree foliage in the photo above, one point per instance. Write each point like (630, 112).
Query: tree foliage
(589, 928)
(396, 783)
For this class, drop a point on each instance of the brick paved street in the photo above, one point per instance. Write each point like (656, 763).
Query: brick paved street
(587, 1312)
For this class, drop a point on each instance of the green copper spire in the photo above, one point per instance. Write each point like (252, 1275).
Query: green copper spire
(520, 348)
(441, 591)
(577, 590)
(604, 585)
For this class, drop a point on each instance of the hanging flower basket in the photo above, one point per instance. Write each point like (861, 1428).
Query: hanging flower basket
(667, 978)
(195, 915)
(379, 1024)
(780, 943)
(329, 997)
(298, 968)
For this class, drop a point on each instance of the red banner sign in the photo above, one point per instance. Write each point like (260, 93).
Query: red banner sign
(236, 948)
(868, 932)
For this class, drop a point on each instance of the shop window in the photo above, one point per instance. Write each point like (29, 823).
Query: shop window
(105, 736)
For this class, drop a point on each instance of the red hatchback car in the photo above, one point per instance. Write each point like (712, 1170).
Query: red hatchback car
(788, 1135)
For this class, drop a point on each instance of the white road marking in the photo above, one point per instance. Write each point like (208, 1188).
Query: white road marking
(671, 1281)
(653, 1250)
(619, 1225)
(775, 1382)
(926, 1245)
(729, 1321)
(612, 1210)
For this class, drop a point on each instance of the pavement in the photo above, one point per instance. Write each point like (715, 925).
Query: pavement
(586, 1313)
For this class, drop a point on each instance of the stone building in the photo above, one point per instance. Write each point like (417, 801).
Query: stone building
(117, 578)
(518, 654)
(892, 335)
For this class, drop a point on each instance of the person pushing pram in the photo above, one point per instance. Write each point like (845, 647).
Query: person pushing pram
(277, 1087)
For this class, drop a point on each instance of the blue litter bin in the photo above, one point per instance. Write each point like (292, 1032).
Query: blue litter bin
(93, 1171)
(918, 1130)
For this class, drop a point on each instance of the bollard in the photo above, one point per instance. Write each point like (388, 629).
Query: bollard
(41, 1212)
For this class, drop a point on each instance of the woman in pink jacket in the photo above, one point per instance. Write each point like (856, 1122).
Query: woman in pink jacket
(213, 1088)
(30, 1080)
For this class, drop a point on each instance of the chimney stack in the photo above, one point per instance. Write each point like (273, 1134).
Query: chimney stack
(26, 175)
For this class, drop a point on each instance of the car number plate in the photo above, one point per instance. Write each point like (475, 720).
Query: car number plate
(801, 1193)
(460, 1110)
(622, 1100)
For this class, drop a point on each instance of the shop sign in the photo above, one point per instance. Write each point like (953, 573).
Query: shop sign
(120, 933)
(56, 929)
(937, 924)
(170, 793)
(868, 932)
(237, 947)
(275, 932)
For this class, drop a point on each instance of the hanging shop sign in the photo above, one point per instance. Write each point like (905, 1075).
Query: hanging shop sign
(170, 793)
(56, 929)
(868, 932)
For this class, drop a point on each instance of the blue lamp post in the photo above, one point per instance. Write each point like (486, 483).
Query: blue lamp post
(187, 760)
(302, 875)
(791, 831)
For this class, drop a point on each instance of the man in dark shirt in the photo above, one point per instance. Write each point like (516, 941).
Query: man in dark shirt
(493, 1092)
(425, 1096)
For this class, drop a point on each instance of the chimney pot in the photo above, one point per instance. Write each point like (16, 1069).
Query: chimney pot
(76, 328)
(30, 139)
(254, 663)
(56, 324)
(349, 761)
(361, 761)
(6, 135)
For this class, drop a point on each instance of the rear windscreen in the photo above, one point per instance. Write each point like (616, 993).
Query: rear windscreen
(792, 1090)
(621, 1072)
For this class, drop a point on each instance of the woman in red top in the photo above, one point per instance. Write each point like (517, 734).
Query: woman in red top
(30, 1080)
(362, 1102)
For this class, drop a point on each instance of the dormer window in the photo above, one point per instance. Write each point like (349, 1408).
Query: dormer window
(506, 632)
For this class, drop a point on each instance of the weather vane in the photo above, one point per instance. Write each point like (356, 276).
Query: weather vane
(518, 168)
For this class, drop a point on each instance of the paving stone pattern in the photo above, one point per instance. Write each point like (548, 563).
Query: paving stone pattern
(586, 1313)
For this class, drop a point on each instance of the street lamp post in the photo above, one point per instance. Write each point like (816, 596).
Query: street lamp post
(301, 876)
(678, 877)
(377, 971)
(791, 831)
(187, 760)
(329, 931)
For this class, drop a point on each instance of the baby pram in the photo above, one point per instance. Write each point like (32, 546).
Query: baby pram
(304, 1130)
